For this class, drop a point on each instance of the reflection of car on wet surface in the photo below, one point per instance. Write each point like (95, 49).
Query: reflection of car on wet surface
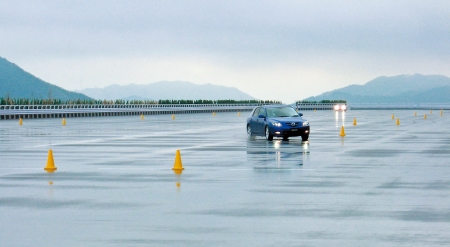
(277, 154)
(277, 121)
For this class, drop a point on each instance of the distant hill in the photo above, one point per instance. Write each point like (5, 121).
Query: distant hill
(16, 83)
(167, 90)
(396, 89)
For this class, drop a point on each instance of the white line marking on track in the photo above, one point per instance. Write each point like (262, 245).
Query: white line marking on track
(165, 134)
(266, 168)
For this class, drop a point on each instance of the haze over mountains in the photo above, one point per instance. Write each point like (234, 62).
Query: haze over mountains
(16, 83)
(167, 90)
(396, 89)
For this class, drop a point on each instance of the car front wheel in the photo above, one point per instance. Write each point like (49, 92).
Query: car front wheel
(305, 137)
(269, 137)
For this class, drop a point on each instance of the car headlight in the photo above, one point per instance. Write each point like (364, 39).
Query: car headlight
(276, 124)
(306, 123)
(336, 107)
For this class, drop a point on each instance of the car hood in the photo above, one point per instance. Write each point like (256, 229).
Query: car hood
(287, 119)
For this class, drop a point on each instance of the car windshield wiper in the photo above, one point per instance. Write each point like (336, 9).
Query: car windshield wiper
(283, 116)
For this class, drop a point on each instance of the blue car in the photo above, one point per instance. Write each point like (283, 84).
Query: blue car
(277, 121)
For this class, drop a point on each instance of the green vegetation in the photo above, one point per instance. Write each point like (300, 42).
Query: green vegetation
(227, 101)
(322, 102)
(24, 101)
(9, 101)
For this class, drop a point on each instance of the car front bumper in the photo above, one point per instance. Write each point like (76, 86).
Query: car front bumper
(295, 131)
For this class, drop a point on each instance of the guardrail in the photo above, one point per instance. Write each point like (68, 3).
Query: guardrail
(64, 111)
(375, 106)
(317, 106)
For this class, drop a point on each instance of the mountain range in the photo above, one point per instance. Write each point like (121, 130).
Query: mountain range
(18, 84)
(167, 90)
(415, 88)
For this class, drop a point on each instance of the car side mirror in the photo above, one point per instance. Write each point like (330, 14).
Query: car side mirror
(300, 114)
(261, 116)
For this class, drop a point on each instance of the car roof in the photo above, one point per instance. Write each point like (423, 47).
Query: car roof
(274, 106)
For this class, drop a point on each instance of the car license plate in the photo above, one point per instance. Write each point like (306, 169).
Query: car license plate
(294, 129)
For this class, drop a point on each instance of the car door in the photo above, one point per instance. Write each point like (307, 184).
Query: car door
(259, 124)
(254, 121)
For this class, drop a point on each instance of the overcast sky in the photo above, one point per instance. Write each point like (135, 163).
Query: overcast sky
(281, 50)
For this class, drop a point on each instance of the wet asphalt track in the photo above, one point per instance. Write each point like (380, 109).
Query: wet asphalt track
(381, 185)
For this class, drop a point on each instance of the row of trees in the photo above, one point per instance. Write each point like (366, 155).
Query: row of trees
(322, 102)
(25, 101)
(9, 101)
(227, 101)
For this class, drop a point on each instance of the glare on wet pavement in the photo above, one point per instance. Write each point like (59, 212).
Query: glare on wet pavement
(382, 184)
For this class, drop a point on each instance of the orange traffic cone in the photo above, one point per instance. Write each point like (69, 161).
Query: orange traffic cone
(50, 167)
(342, 131)
(178, 166)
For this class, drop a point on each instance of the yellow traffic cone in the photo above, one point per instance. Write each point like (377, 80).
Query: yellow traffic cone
(415, 114)
(50, 162)
(173, 116)
(425, 116)
(442, 113)
(398, 121)
(20, 121)
(239, 114)
(142, 116)
(63, 121)
(393, 117)
(342, 131)
(178, 166)
(354, 121)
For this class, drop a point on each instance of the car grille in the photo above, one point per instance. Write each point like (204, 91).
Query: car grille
(293, 124)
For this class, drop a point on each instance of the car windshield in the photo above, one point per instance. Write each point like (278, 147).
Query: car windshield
(281, 112)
